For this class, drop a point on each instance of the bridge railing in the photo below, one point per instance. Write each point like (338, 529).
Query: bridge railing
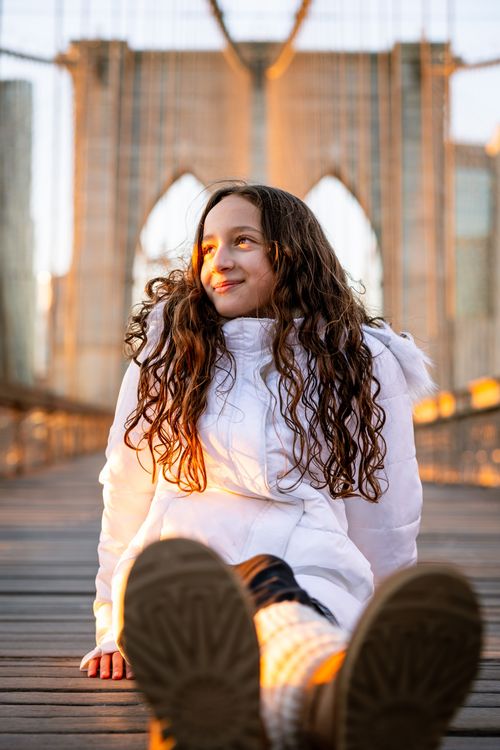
(38, 428)
(458, 435)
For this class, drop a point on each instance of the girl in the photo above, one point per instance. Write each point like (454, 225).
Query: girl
(264, 431)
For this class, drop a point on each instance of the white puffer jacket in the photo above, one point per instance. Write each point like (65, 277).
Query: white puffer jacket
(338, 549)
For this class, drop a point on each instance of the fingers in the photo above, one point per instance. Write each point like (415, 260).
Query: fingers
(105, 666)
(110, 665)
(117, 661)
(93, 667)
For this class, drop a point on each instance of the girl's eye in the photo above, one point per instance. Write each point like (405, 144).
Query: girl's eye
(243, 240)
(207, 249)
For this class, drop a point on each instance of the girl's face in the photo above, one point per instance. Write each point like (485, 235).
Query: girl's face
(236, 273)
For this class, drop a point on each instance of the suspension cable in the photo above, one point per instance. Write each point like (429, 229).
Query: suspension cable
(457, 63)
(480, 64)
(219, 17)
(26, 56)
(285, 53)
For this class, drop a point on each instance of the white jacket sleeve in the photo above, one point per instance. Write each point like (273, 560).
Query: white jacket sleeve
(127, 494)
(386, 532)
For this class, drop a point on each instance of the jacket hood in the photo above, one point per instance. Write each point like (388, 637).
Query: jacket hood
(413, 361)
(251, 335)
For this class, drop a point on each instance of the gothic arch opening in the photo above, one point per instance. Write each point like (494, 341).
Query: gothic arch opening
(351, 234)
(165, 241)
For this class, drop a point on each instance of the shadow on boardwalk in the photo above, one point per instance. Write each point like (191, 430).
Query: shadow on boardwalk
(50, 524)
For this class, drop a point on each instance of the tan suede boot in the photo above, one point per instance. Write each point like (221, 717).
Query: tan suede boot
(189, 635)
(407, 669)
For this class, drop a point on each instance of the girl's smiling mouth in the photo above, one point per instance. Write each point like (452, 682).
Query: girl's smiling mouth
(224, 286)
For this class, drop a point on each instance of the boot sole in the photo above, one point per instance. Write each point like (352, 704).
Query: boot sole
(189, 635)
(410, 662)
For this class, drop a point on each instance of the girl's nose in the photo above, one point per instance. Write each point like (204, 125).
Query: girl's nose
(222, 258)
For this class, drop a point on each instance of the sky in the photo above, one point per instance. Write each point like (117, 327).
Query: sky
(45, 27)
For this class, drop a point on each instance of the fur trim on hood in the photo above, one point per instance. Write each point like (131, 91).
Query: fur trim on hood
(413, 361)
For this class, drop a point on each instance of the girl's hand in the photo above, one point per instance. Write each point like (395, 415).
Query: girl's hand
(110, 665)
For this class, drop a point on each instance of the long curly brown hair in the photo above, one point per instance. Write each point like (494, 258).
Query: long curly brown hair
(338, 386)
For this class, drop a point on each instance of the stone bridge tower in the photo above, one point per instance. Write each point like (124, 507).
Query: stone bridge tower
(377, 121)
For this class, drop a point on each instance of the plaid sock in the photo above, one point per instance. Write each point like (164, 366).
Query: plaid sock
(294, 640)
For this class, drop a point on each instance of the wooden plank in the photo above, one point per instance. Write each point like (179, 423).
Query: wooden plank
(52, 606)
(489, 669)
(52, 627)
(102, 697)
(471, 743)
(76, 650)
(47, 638)
(78, 682)
(470, 718)
(123, 740)
(122, 711)
(484, 699)
(44, 617)
(39, 661)
(48, 586)
(49, 670)
(81, 725)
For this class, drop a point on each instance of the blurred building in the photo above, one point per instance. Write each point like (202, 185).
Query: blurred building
(17, 282)
(476, 343)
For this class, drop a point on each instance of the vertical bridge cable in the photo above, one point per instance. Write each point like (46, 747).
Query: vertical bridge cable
(449, 198)
(1, 30)
(427, 183)
(72, 287)
(396, 185)
(3, 348)
(363, 119)
(55, 188)
(343, 125)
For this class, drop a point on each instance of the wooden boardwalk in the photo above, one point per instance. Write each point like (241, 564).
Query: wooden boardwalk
(49, 528)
